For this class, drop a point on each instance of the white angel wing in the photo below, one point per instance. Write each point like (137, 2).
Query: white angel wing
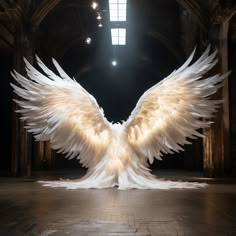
(171, 111)
(60, 110)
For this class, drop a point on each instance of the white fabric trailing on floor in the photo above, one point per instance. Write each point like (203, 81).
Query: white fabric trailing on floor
(58, 109)
(143, 183)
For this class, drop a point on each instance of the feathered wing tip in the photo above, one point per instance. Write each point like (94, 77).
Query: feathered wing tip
(60, 70)
(171, 111)
(59, 110)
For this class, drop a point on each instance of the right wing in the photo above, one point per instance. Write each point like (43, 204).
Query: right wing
(60, 110)
(172, 110)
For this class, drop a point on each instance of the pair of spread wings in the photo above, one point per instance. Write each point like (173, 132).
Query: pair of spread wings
(58, 109)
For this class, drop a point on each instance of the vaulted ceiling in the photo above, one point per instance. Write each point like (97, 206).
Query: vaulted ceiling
(62, 25)
(160, 35)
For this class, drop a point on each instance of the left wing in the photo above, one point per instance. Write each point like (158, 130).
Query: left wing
(60, 110)
(172, 110)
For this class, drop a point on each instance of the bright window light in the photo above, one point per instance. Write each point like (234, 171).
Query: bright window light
(117, 10)
(118, 36)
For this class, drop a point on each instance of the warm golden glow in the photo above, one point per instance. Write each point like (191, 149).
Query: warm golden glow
(58, 109)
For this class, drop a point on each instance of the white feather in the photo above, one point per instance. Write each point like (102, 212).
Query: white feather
(60, 110)
(169, 112)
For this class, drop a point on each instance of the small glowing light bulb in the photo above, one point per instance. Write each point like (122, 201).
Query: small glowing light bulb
(99, 17)
(114, 63)
(94, 5)
(100, 25)
(88, 40)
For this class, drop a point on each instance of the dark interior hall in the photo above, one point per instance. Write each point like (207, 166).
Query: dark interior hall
(160, 35)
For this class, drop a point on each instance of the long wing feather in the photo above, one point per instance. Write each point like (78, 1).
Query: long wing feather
(62, 111)
(171, 111)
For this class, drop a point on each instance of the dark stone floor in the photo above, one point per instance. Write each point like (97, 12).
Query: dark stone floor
(28, 209)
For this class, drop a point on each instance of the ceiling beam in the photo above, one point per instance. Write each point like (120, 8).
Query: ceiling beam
(168, 44)
(4, 17)
(6, 41)
(4, 4)
(42, 11)
(196, 10)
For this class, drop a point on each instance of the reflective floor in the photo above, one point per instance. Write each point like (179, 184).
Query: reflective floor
(27, 208)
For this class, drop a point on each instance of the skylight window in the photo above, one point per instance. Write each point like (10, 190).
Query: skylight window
(117, 10)
(118, 36)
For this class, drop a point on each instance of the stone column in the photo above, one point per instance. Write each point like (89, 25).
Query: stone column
(217, 161)
(24, 148)
(193, 153)
(25, 17)
(21, 140)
